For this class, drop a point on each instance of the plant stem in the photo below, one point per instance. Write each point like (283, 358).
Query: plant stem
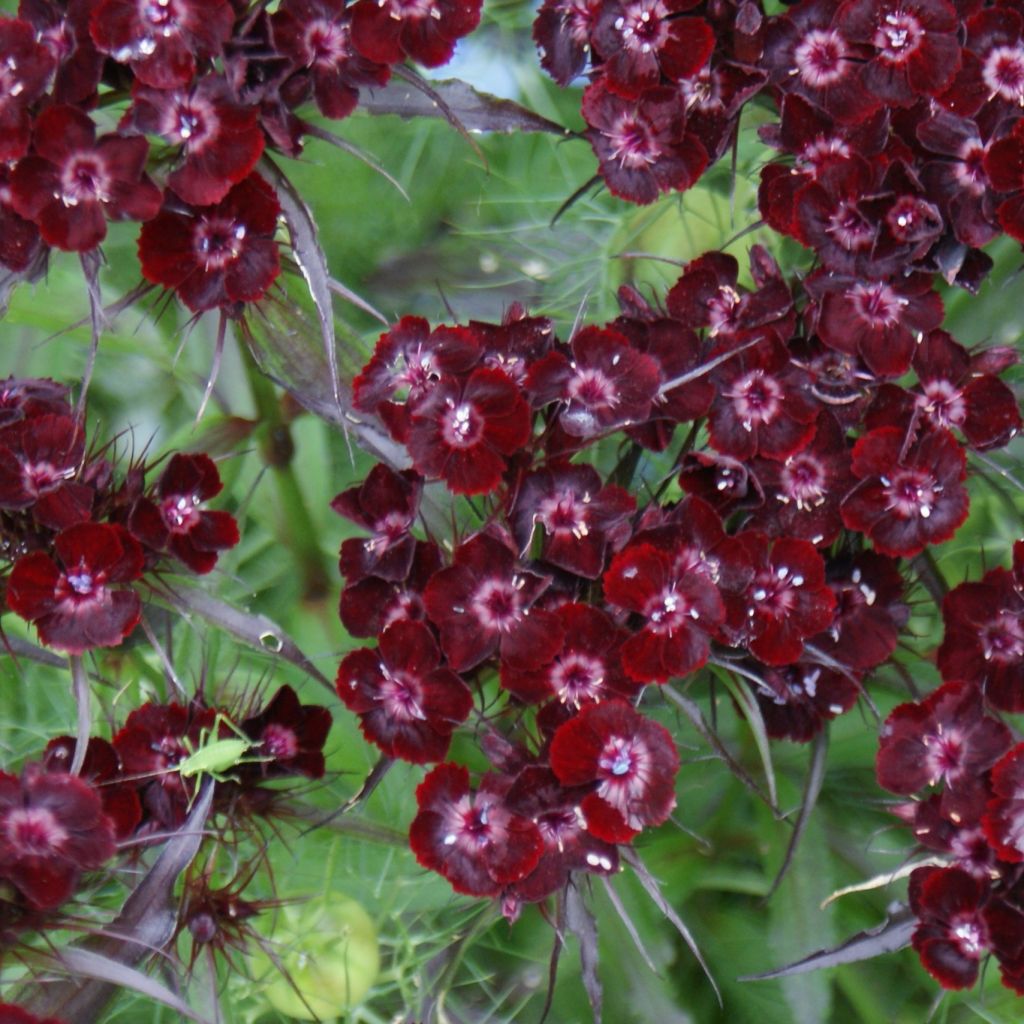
(278, 449)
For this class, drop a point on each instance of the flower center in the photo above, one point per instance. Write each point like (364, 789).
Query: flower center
(818, 153)
(642, 25)
(911, 218)
(774, 593)
(387, 531)
(180, 512)
(820, 58)
(577, 677)
(462, 426)
(82, 583)
(11, 87)
(1002, 639)
(757, 398)
(898, 36)
(496, 605)
(84, 179)
(34, 831)
(668, 611)
(876, 304)
(945, 751)
(160, 16)
(402, 696)
(633, 143)
(1003, 72)
(968, 935)
(280, 742)
(41, 477)
(415, 10)
(218, 242)
(593, 388)
(328, 42)
(911, 492)
(969, 170)
(943, 403)
(191, 123)
(564, 513)
(848, 228)
(803, 480)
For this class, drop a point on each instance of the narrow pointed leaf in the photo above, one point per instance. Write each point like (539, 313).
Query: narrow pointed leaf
(360, 154)
(453, 99)
(631, 927)
(812, 788)
(891, 935)
(80, 685)
(580, 921)
(650, 884)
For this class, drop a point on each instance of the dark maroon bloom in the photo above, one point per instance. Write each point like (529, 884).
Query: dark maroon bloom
(174, 519)
(39, 460)
(916, 51)
(407, 362)
(75, 602)
(587, 668)
(580, 518)
(408, 705)
(763, 406)
(606, 383)
(515, 344)
(53, 828)
(784, 602)
(870, 611)
(483, 603)
(161, 41)
(316, 36)
(386, 504)
(217, 255)
(803, 492)
(714, 97)
(642, 145)
(964, 841)
(909, 496)
(25, 69)
(291, 735)
(952, 933)
(877, 320)
(425, 30)
(993, 64)
(368, 607)
(983, 642)
(1004, 819)
(562, 31)
(568, 846)
(21, 398)
(19, 238)
(461, 432)
(101, 768)
(630, 761)
(73, 182)
(151, 744)
(63, 28)
(681, 609)
(641, 40)
(220, 140)
(945, 738)
(797, 700)
(472, 839)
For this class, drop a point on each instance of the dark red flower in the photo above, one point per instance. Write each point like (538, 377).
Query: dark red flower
(641, 40)
(151, 745)
(797, 700)
(964, 841)
(408, 704)
(290, 735)
(461, 432)
(25, 69)
(1004, 819)
(630, 761)
(11, 1014)
(642, 144)
(22, 397)
(983, 641)
(63, 28)
(580, 518)
(483, 603)
(472, 839)
(562, 31)
(945, 738)
(216, 255)
(909, 496)
(73, 182)
(316, 36)
(19, 238)
(784, 602)
(386, 504)
(161, 41)
(606, 383)
(952, 932)
(368, 607)
(220, 139)
(75, 602)
(587, 668)
(54, 828)
(681, 610)
(174, 519)
(425, 30)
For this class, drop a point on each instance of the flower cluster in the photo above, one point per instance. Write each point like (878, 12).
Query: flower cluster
(211, 86)
(76, 538)
(777, 555)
